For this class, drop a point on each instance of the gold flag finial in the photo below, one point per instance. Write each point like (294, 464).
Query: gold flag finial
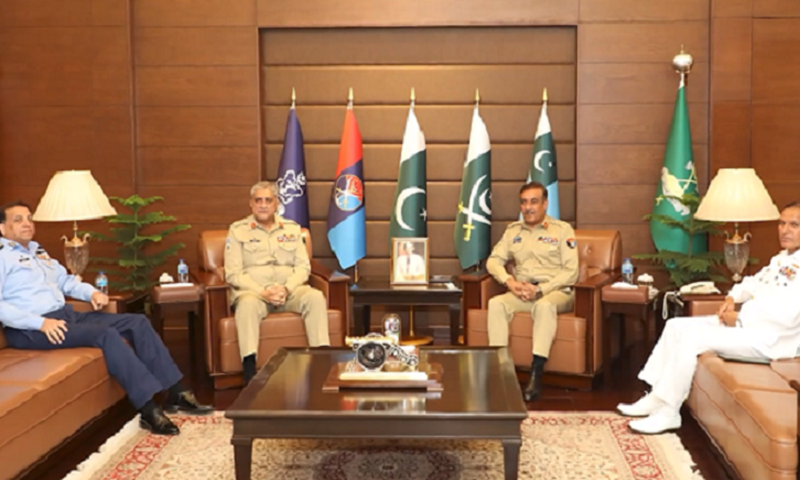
(413, 95)
(350, 98)
(682, 63)
(294, 97)
(544, 95)
(477, 96)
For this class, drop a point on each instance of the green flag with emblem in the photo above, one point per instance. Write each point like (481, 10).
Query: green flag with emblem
(677, 177)
(544, 168)
(409, 215)
(474, 218)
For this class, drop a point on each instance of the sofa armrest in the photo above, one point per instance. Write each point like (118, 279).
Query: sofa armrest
(81, 306)
(696, 305)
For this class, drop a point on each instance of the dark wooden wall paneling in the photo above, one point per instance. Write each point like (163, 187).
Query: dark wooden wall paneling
(70, 72)
(65, 100)
(196, 77)
(754, 101)
(444, 66)
(626, 95)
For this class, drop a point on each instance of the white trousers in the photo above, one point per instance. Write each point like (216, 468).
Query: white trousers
(671, 366)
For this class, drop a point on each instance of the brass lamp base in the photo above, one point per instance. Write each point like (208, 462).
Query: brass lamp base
(737, 252)
(76, 252)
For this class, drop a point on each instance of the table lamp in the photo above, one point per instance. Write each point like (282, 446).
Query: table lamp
(737, 195)
(71, 196)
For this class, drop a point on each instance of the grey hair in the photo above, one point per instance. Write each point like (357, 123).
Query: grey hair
(793, 204)
(271, 186)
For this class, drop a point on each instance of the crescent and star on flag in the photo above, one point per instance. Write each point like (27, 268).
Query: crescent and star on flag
(409, 191)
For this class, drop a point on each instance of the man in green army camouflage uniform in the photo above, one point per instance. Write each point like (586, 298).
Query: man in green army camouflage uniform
(545, 268)
(267, 267)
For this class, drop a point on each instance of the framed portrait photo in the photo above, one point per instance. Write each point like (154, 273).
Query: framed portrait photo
(409, 261)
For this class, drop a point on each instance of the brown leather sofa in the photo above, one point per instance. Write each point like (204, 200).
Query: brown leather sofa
(47, 397)
(223, 361)
(749, 411)
(576, 355)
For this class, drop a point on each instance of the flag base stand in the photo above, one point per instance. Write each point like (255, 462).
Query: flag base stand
(411, 338)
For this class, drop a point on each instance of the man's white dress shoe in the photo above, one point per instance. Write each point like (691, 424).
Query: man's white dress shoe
(663, 420)
(642, 408)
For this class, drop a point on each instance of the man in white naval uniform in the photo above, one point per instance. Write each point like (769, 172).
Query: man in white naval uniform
(766, 327)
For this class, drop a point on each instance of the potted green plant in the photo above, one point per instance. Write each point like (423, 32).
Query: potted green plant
(132, 270)
(689, 267)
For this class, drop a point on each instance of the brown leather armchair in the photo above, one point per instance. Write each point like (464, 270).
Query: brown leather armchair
(281, 329)
(576, 355)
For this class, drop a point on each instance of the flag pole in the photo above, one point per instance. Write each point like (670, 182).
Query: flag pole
(477, 97)
(413, 97)
(350, 107)
(294, 98)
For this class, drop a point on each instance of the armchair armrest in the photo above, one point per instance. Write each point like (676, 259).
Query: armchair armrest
(474, 276)
(211, 281)
(332, 276)
(597, 281)
(587, 294)
(478, 288)
(216, 307)
(335, 286)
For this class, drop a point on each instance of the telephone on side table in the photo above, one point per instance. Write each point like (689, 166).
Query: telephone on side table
(702, 288)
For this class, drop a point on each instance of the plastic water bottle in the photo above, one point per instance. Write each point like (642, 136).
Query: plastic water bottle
(183, 272)
(101, 283)
(627, 271)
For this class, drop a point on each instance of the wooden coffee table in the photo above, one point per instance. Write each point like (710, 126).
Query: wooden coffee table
(481, 399)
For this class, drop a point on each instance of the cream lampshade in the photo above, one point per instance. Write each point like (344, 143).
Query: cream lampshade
(737, 195)
(71, 196)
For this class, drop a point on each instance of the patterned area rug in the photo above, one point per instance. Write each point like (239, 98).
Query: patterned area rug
(556, 445)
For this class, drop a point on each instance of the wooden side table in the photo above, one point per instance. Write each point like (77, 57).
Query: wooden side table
(187, 299)
(378, 291)
(620, 302)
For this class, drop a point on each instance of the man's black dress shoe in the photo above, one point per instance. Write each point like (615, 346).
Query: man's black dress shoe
(186, 402)
(158, 423)
(534, 387)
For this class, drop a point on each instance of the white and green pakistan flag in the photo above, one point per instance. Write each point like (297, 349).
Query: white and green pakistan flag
(409, 216)
(544, 166)
(474, 218)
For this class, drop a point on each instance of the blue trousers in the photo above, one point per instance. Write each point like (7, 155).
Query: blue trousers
(143, 370)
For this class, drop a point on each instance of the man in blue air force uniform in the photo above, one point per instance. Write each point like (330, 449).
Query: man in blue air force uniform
(34, 316)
